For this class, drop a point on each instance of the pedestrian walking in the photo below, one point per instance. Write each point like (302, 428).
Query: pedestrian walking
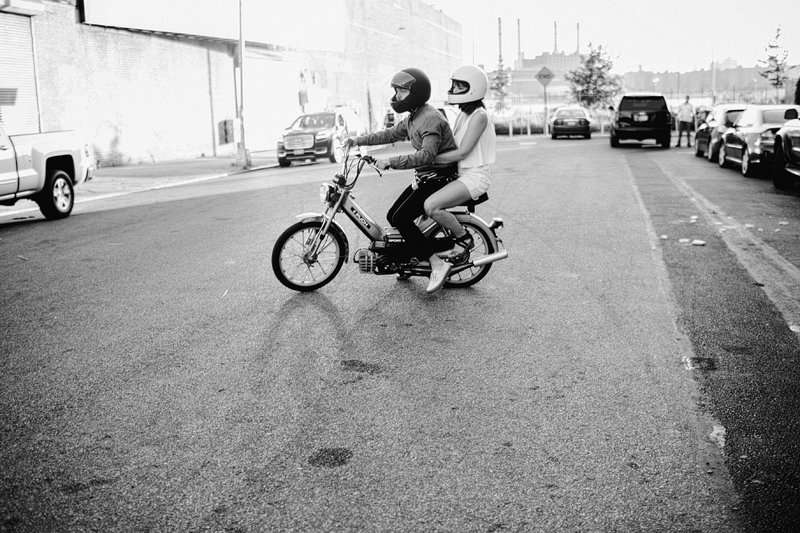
(685, 122)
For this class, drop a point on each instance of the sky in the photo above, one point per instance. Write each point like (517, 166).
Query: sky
(661, 35)
(676, 35)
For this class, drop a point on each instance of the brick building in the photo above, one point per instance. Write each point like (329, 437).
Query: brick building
(142, 93)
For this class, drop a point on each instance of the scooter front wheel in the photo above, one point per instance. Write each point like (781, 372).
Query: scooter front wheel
(298, 266)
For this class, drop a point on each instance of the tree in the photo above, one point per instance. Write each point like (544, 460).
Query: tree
(774, 67)
(498, 84)
(797, 93)
(592, 84)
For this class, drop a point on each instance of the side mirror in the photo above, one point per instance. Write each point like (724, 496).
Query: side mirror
(611, 108)
(790, 114)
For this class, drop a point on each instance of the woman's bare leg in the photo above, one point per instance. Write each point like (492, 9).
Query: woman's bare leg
(453, 194)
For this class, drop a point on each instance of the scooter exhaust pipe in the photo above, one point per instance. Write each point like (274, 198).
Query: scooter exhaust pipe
(491, 258)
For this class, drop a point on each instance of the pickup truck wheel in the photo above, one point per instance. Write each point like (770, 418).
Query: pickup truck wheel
(58, 197)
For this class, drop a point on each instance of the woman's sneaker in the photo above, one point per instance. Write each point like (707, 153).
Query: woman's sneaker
(460, 252)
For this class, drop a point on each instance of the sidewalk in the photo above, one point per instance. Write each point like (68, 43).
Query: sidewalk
(115, 181)
(148, 176)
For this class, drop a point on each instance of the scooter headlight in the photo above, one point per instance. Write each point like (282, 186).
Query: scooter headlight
(324, 191)
(328, 194)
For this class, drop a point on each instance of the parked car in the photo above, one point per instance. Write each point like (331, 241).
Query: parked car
(712, 128)
(786, 163)
(571, 121)
(45, 168)
(749, 143)
(641, 116)
(318, 135)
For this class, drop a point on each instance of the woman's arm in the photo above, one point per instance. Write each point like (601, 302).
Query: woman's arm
(474, 131)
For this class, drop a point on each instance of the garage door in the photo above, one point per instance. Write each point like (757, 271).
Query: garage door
(19, 105)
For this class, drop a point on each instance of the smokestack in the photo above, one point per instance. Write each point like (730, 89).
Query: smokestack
(519, 42)
(500, 40)
(555, 37)
(579, 38)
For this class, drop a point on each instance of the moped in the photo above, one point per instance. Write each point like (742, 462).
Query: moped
(311, 252)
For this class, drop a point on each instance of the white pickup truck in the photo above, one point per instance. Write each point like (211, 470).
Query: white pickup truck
(45, 168)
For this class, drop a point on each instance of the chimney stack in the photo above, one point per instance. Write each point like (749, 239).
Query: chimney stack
(579, 38)
(555, 37)
(500, 40)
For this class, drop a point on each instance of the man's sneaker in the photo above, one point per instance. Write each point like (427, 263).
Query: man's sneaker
(439, 275)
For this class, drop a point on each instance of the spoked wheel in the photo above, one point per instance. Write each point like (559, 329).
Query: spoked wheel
(58, 196)
(749, 169)
(482, 245)
(722, 158)
(336, 154)
(298, 266)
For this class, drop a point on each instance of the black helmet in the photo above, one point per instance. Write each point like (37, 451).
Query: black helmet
(415, 81)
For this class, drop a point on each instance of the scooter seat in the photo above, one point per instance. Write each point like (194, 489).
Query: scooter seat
(470, 204)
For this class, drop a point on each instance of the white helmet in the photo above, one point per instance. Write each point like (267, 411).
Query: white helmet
(472, 85)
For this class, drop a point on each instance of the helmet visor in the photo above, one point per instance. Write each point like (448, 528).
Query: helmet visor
(459, 87)
(402, 80)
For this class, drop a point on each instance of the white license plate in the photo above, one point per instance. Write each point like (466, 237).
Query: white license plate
(640, 118)
(298, 152)
(571, 123)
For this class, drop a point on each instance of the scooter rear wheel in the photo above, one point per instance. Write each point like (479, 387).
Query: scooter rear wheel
(483, 244)
(295, 268)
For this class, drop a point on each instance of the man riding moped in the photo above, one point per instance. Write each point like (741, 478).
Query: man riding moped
(430, 134)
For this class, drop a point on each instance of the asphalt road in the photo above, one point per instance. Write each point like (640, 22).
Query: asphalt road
(605, 377)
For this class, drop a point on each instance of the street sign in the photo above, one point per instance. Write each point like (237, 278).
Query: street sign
(544, 76)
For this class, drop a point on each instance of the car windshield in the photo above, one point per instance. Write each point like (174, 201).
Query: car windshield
(648, 103)
(322, 120)
(733, 116)
(570, 113)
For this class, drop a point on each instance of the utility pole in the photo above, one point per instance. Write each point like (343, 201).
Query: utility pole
(242, 153)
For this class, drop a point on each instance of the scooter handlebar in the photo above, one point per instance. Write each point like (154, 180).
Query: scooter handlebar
(368, 159)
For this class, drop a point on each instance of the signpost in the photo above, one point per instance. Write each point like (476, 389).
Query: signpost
(545, 76)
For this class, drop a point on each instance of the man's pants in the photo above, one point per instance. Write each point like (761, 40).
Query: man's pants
(686, 126)
(405, 210)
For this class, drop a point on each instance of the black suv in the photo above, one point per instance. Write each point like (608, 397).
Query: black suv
(640, 117)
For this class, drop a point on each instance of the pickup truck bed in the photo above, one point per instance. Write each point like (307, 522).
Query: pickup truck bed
(45, 168)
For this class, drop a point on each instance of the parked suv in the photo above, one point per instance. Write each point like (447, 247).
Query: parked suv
(316, 135)
(641, 116)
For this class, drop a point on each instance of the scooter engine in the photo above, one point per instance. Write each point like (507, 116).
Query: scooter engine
(366, 259)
